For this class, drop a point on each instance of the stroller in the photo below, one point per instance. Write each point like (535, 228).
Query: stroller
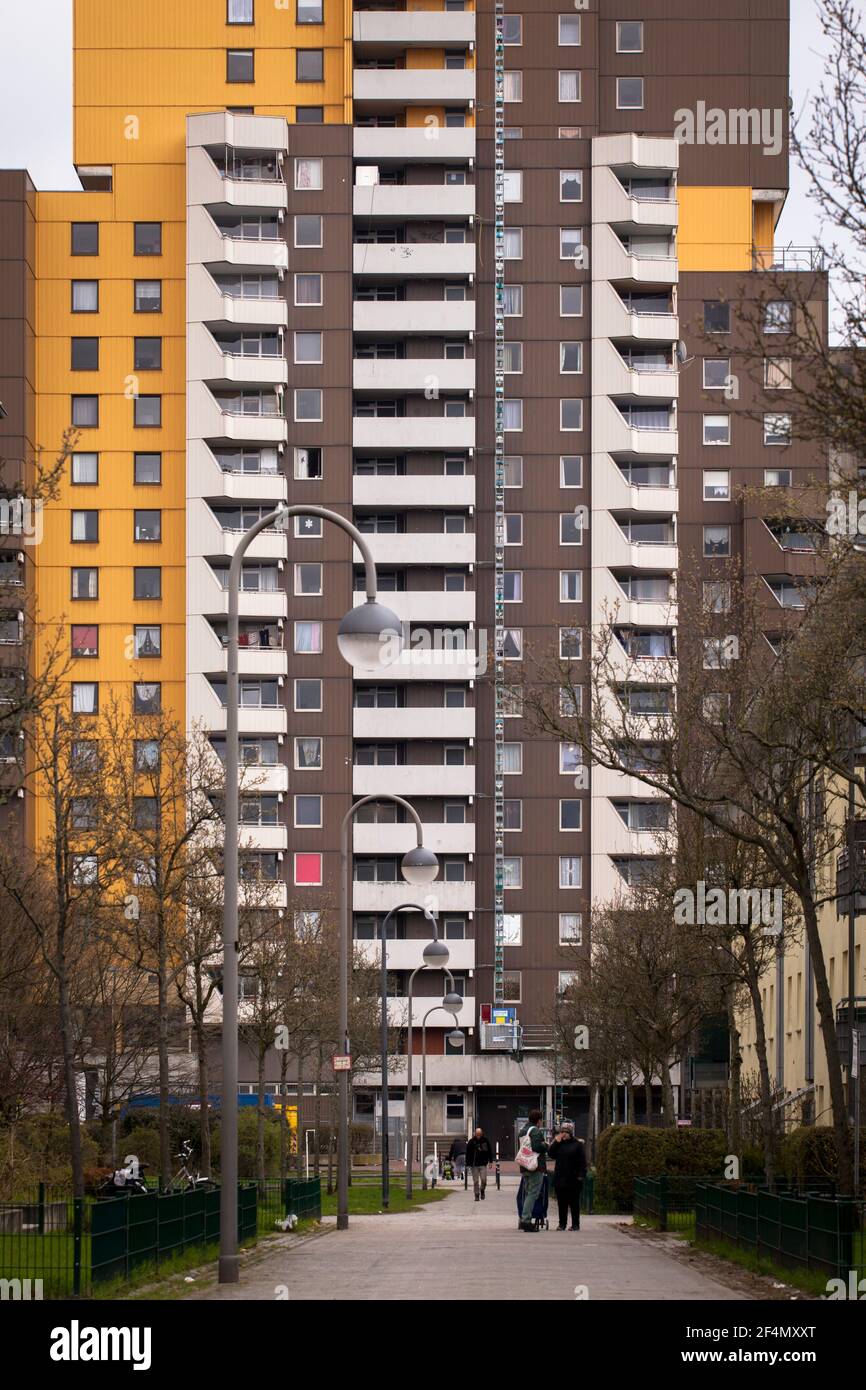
(447, 1170)
(539, 1211)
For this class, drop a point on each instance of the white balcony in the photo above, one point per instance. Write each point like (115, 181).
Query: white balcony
(414, 145)
(613, 375)
(452, 667)
(613, 434)
(415, 779)
(206, 186)
(414, 28)
(426, 432)
(612, 491)
(414, 258)
(612, 319)
(208, 244)
(207, 420)
(206, 361)
(205, 709)
(620, 552)
(242, 132)
(429, 606)
(212, 539)
(610, 604)
(437, 200)
(421, 548)
(263, 837)
(398, 1010)
(453, 318)
(205, 652)
(611, 261)
(206, 303)
(261, 895)
(414, 490)
(272, 780)
(612, 203)
(414, 86)
(422, 722)
(643, 153)
(381, 897)
(407, 955)
(206, 595)
(205, 478)
(413, 374)
(396, 839)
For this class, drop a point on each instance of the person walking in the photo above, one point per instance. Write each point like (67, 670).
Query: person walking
(569, 1171)
(457, 1154)
(479, 1156)
(533, 1178)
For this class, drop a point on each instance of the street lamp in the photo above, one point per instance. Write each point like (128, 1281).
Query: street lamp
(455, 1036)
(359, 638)
(435, 956)
(423, 864)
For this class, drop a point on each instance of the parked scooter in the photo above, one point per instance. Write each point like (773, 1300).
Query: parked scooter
(127, 1181)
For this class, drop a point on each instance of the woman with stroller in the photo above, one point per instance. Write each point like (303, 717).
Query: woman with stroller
(568, 1173)
(533, 1179)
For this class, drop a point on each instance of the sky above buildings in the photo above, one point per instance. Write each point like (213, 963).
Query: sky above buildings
(36, 99)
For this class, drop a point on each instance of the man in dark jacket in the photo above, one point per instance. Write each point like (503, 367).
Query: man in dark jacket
(569, 1172)
(479, 1156)
(532, 1181)
(457, 1154)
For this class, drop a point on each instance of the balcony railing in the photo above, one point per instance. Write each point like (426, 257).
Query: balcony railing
(788, 258)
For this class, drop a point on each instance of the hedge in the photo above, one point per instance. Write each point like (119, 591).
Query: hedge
(810, 1152)
(626, 1152)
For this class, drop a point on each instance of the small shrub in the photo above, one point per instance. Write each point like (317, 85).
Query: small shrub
(810, 1152)
(627, 1152)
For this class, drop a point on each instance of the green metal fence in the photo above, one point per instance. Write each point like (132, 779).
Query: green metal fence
(822, 1234)
(302, 1198)
(668, 1201)
(44, 1243)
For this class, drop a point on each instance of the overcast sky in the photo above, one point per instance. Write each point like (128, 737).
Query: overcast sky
(36, 98)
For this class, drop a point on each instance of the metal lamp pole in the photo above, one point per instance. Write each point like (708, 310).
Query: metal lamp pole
(419, 866)
(423, 1096)
(359, 637)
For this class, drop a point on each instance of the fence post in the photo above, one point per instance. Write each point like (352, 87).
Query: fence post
(663, 1202)
(77, 1242)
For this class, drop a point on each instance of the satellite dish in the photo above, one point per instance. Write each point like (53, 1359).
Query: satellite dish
(682, 353)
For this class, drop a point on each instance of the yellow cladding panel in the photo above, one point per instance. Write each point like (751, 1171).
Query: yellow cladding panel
(105, 24)
(715, 231)
(765, 224)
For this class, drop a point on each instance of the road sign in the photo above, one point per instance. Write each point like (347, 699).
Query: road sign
(341, 1061)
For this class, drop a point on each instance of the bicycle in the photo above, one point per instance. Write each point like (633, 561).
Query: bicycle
(184, 1179)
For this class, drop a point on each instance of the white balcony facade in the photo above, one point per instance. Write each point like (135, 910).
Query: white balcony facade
(382, 897)
(443, 202)
(413, 145)
(397, 839)
(413, 28)
(407, 955)
(418, 432)
(413, 374)
(414, 723)
(414, 490)
(428, 316)
(413, 86)
(422, 548)
(415, 779)
(442, 607)
(405, 259)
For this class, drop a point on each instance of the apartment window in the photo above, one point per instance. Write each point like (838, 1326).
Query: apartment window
(717, 595)
(513, 244)
(570, 243)
(309, 11)
(308, 463)
(777, 477)
(309, 528)
(513, 85)
(85, 697)
(717, 371)
(85, 469)
(512, 644)
(717, 485)
(513, 586)
(148, 641)
(85, 870)
(569, 86)
(569, 132)
(570, 815)
(308, 638)
(85, 354)
(145, 812)
(512, 29)
(570, 186)
(147, 239)
(308, 870)
(85, 296)
(570, 586)
(717, 429)
(512, 415)
(308, 229)
(513, 469)
(571, 470)
(85, 238)
(778, 316)
(85, 411)
(147, 697)
(777, 373)
(147, 582)
(85, 639)
(308, 347)
(308, 694)
(569, 31)
(240, 65)
(85, 582)
(777, 429)
(147, 525)
(511, 986)
(148, 296)
(570, 301)
(717, 541)
(512, 871)
(309, 65)
(512, 301)
(513, 528)
(717, 316)
(629, 36)
(147, 468)
(571, 360)
(308, 578)
(570, 528)
(240, 12)
(629, 94)
(512, 758)
(570, 643)
(308, 811)
(571, 414)
(147, 412)
(308, 289)
(308, 174)
(85, 527)
(147, 355)
(308, 754)
(513, 357)
(513, 185)
(308, 404)
(512, 814)
(570, 871)
(570, 929)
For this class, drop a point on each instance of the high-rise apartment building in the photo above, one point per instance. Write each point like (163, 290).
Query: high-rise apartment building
(428, 264)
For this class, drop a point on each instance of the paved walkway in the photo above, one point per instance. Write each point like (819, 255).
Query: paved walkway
(463, 1249)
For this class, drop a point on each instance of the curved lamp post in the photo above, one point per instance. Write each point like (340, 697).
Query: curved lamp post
(359, 637)
(419, 867)
(451, 1004)
(435, 956)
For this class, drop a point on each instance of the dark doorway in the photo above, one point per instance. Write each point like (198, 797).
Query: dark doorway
(497, 1113)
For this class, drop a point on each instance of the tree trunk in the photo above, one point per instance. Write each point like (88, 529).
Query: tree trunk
(317, 1121)
(260, 1115)
(299, 1134)
(669, 1117)
(591, 1135)
(332, 1134)
(767, 1128)
(284, 1126)
(162, 1052)
(648, 1095)
(823, 1000)
(67, 1037)
(735, 1124)
(204, 1108)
